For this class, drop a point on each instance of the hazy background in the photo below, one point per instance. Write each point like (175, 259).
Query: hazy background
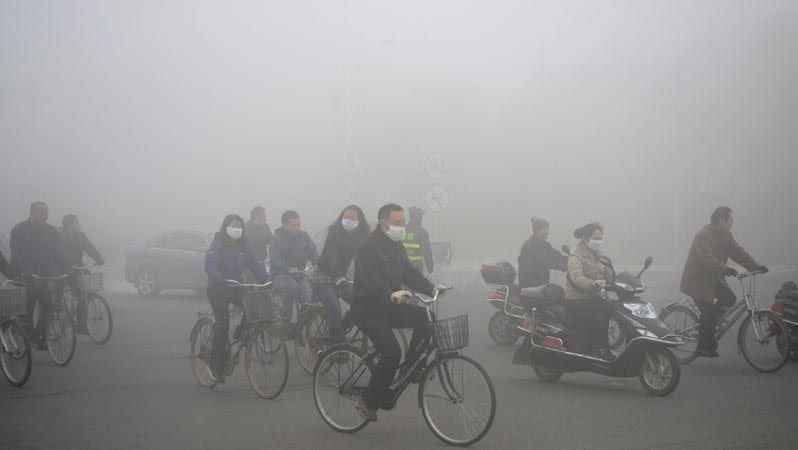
(146, 116)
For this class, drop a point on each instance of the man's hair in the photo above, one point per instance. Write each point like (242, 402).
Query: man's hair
(386, 210)
(256, 211)
(539, 223)
(68, 219)
(288, 216)
(35, 205)
(722, 213)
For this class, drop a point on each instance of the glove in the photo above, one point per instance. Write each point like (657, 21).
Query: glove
(401, 296)
(730, 272)
(762, 269)
(441, 289)
(340, 281)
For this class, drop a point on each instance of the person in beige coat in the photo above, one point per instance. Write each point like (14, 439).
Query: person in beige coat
(704, 272)
(589, 314)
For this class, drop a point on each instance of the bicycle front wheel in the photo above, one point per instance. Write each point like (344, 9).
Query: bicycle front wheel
(98, 319)
(458, 400)
(15, 360)
(340, 378)
(266, 363)
(61, 337)
(758, 340)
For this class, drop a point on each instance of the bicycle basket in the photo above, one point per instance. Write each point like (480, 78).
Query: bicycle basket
(12, 301)
(452, 333)
(92, 282)
(258, 306)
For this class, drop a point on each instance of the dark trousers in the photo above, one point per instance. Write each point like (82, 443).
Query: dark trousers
(590, 319)
(220, 303)
(710, 314)
(401, 316)
(39, 292)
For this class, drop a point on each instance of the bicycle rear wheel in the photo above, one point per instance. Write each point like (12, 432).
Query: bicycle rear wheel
(201, 344)
(98, 319)
(15, 360)
(311, 329)
(340, 378)
(266, 363)
(758, 340)
(684, 323)
(458, 400)
(61, 337)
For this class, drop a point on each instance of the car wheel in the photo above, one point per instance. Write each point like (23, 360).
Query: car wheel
(146, 283)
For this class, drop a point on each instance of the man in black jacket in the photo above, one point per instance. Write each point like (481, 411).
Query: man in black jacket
(538, 257)
(379, 302)
(36, 249)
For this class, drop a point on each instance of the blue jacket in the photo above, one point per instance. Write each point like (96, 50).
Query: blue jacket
(226, 260)
(36, 249)
(287, 251)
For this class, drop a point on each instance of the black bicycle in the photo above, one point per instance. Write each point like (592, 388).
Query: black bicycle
(265, 353)
(60, 333)
(15, 349)
(86, 305)
(455, 393)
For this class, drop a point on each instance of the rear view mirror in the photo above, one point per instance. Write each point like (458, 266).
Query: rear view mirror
(566, 250)
(649, 262)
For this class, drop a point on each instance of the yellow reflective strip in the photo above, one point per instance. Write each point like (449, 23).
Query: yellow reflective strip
(408, 245)
(415, 258)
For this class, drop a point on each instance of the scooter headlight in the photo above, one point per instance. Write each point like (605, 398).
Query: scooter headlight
(643, 310)
(646, 333)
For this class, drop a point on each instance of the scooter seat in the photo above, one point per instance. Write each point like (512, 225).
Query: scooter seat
(547, 292)
(533, 292)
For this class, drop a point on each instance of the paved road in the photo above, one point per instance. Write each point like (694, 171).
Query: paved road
(138, 392)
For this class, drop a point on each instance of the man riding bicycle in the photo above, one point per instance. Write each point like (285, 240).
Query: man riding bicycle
(229, 253)
(704, 272)
(36, 249)
(289, 253)
(379, 302)
(76, 243)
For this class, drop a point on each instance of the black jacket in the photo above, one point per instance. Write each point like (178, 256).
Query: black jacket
(75, 244)
(537, 258)
(340, 248)
(36, 249)
(381, 268)
(259, 237)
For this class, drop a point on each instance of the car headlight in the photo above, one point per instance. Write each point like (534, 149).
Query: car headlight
(643, 310)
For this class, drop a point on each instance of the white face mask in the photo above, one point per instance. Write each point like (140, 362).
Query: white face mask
(595, 245)
(234, 232)
(349, 225)
(396, 233)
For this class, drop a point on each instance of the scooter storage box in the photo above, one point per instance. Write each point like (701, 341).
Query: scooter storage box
(502, 273)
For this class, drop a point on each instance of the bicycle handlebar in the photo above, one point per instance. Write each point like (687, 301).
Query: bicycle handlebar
(53, 278)
(429, 300)
(86, 267)
(750, 274)
(234, 283)
(12, 283)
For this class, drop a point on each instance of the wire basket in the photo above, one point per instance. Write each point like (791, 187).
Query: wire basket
(258, 306)
(92, 282)
(12, 301)
(452, 333)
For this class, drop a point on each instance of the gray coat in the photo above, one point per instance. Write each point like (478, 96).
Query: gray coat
(583, 269)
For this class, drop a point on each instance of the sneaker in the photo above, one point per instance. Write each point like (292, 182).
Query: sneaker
(218, 379)
(705, 353)
(366, 413)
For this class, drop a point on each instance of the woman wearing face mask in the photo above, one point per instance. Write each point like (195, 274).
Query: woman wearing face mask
(586, 275)
(343, 240)
(226, 258)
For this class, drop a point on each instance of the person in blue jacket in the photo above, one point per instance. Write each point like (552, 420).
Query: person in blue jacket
(226, 258)
(290, 251)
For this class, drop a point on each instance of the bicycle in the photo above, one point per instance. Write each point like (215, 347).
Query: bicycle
(341, 377)
(15, 350)
(313, 337)
(61, 338)
(760, 324)
(83, 299)
(264, 351)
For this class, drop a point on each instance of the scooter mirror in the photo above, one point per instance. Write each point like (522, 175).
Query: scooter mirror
(566, 250)
(649, 262)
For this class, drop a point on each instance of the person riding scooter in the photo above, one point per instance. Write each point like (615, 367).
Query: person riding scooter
(589, 314)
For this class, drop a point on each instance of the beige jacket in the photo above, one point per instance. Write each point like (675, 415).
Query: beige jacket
(583, 269)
